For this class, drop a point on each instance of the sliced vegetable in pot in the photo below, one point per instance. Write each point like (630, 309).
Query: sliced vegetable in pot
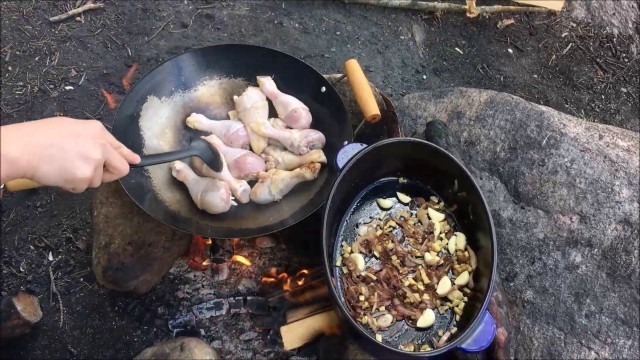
(407, 264)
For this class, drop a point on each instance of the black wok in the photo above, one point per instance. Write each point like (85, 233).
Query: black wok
(429, 170)
(186, 71)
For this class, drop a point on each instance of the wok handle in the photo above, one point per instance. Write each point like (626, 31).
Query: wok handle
(161, 158)
(20, 184)
(362, 90)
(482, 336)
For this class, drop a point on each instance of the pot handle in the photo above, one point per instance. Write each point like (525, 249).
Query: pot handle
(482, 335)
(347, 153)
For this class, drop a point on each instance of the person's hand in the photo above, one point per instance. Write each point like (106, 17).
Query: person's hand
(68, 153)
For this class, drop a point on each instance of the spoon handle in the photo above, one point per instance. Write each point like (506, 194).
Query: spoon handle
(161, 158)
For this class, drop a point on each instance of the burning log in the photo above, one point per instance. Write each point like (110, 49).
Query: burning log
(18, 313)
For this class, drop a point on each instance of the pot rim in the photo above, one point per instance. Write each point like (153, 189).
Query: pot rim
(465, 335)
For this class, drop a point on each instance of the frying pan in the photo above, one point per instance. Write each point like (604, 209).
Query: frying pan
(235, 61)
(373, 172)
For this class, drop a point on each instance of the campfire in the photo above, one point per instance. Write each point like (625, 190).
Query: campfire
(291, 308)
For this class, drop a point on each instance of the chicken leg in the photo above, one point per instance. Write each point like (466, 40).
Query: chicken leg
(210, 195)
(233, 133)
(252, 106)
(274, 184)
(297, 141)
(276, 157)
(291, 110)
(239, 188)
(243, 164)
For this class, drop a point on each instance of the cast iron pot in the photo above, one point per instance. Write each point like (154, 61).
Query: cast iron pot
(371, 172)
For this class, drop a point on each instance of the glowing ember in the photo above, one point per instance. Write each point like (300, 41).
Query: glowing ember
(287, 286)
(206, 262)
(241, 259)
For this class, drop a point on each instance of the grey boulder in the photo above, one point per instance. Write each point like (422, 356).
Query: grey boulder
(563, 193)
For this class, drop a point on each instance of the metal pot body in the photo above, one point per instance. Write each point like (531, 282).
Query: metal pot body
(422, 162)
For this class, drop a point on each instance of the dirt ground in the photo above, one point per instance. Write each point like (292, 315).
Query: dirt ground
(52, 69)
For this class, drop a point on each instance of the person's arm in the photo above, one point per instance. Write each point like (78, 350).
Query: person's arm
(68, 153)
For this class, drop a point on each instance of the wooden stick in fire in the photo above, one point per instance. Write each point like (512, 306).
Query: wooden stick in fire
(18, 313)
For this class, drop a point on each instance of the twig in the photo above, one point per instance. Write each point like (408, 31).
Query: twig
(77, 11)
(54, 290)
(188, 27)
(160, 29)
(444, 7)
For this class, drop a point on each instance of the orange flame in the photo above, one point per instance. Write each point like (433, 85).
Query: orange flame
(301, 276)
(287, 286)
(241, 259)
(206, 262)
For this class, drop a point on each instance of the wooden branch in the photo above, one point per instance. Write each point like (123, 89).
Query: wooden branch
(444, 7)
(301, 332)
(77, 11)
(17, 314)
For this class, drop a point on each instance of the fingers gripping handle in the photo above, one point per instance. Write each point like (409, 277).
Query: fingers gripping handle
(362, 90)
(20, 184)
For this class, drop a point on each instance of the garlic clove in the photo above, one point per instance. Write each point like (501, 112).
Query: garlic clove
(384, 204)
(435, 216)
(385, 321)
(451, 245)
(359, 260)
(436, 229)
(430, 259)
(461, 240)
(444, 285)
(362, 229)
(455, 295)
(427, 319)
(462, 279)
(404, 198)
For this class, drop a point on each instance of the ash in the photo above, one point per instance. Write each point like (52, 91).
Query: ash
(222, 304)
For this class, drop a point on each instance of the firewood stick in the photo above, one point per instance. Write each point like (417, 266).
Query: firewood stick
(18, 313)
(301, 332)
(444, 7)
(76, 11)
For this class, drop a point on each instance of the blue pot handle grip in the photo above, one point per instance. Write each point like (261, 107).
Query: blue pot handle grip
(347, 153)
(482, 335)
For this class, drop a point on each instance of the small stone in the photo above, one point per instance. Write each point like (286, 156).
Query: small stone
(265, 242)
(179, 348)
(250, 335)
(216, 344)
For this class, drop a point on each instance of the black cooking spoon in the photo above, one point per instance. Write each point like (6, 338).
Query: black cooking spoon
(199, 148)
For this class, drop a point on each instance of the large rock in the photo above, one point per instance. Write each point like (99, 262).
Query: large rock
(131, 250)
(564, 198)
(181, 348)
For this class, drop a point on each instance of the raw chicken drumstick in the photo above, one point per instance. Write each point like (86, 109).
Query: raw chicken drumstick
(239, 188)
(297, 141)
(252, 106)
(279, 158)
(274, 184)
(231, 132)
(243, 164)
(294, 113)
(210, 195)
